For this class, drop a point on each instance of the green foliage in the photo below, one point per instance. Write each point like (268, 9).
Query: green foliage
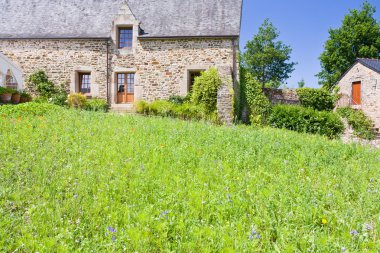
(258, 104)
(97, 105)
(359, 122)
(306, 120)
(301, 84)
(205, 90)
(267, 58)
(4, 90)
(318, 99)
(45, 89)
(358, 37)
(27, 109)
(179, 99)
(73, 180)
(77, 100)
(185, 111)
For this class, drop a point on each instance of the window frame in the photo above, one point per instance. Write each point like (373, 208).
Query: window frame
(126, 82)
(80, 82)
(119, 33)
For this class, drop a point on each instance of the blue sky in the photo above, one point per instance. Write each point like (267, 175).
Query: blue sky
(303, 25)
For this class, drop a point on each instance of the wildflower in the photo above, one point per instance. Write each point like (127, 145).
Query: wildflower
(112, 230)
(324, 221)
(344, 249)
(164, 214)
(368, 226)
(372, 180)
(113, 238)
(76, 196)
(354, 232)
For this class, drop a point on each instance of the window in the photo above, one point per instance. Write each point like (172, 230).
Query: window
(125, 37)
(10, 80)
(84, 83)
(126, 80)
(192, 75)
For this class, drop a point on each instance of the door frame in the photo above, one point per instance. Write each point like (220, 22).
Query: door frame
(126, 94)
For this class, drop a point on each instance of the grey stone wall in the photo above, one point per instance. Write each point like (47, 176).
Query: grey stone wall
(161, 65)
(370, 91)
(282, 96)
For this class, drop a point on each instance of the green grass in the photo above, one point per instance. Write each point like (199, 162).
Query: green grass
(163, 185)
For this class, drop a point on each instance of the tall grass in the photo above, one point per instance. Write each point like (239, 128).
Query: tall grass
(75, 181)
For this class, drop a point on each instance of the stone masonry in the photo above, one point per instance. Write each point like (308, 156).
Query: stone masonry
(161, 65)
(370, 91)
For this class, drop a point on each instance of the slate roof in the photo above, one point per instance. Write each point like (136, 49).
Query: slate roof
(93, 18)
(373, 64)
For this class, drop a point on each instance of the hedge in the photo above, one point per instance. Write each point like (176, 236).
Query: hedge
(307, 120)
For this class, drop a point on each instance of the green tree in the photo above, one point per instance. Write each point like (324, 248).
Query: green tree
(301, 83)
(267, 58)
(358, 37)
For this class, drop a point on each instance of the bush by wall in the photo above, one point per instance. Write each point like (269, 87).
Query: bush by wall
(318, 99)
(185, 111)
(359, 122)
(258, 105)
(96, 105)
(45, 89)
(306, 120)
(205, 90)
(77, 100)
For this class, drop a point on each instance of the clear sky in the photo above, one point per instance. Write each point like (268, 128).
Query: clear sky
(303, 25)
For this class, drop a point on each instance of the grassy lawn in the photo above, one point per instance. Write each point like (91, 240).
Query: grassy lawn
(80, 181)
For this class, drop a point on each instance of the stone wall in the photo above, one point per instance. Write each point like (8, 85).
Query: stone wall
(61, 59)
(282, 96)
(370, 91)
(161, 66)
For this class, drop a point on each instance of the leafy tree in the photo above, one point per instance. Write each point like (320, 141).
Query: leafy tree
(267, 58)
(358, 37)
(301, 83)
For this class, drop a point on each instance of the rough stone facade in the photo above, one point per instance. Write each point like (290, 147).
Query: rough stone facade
(282, 96)
(370, 91)
(161, 66)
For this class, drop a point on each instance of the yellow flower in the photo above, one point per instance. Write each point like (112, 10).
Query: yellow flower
(324, 221)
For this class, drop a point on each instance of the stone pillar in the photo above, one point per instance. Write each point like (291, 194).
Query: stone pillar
(226, 96)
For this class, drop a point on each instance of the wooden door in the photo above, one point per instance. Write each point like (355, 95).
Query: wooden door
(125, 88)
(356, 93)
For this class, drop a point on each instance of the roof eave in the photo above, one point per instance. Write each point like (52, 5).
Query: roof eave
(190, 37)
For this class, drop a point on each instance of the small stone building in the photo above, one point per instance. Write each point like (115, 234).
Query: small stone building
(122, 50)
(360, 88)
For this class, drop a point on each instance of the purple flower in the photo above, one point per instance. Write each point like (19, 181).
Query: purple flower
(368, 227)
(354, 232)
(112, 230)
(113, 238)
(258, 236)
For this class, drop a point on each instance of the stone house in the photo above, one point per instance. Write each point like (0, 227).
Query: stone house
(121, 50)
(360, 88)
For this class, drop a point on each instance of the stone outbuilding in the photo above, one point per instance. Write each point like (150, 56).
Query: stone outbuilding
(123, 50)
(360, 88)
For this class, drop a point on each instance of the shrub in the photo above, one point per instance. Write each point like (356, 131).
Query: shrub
(205, 90)
(185, 111)
(359, 122)
(27, 109)
(259, 105)
(318, 99)
(142, 107)
(179, 99)
(161, 108)
(4, 90)
(77, 100)
(39, 83)
(306, 120)
(97, 105)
